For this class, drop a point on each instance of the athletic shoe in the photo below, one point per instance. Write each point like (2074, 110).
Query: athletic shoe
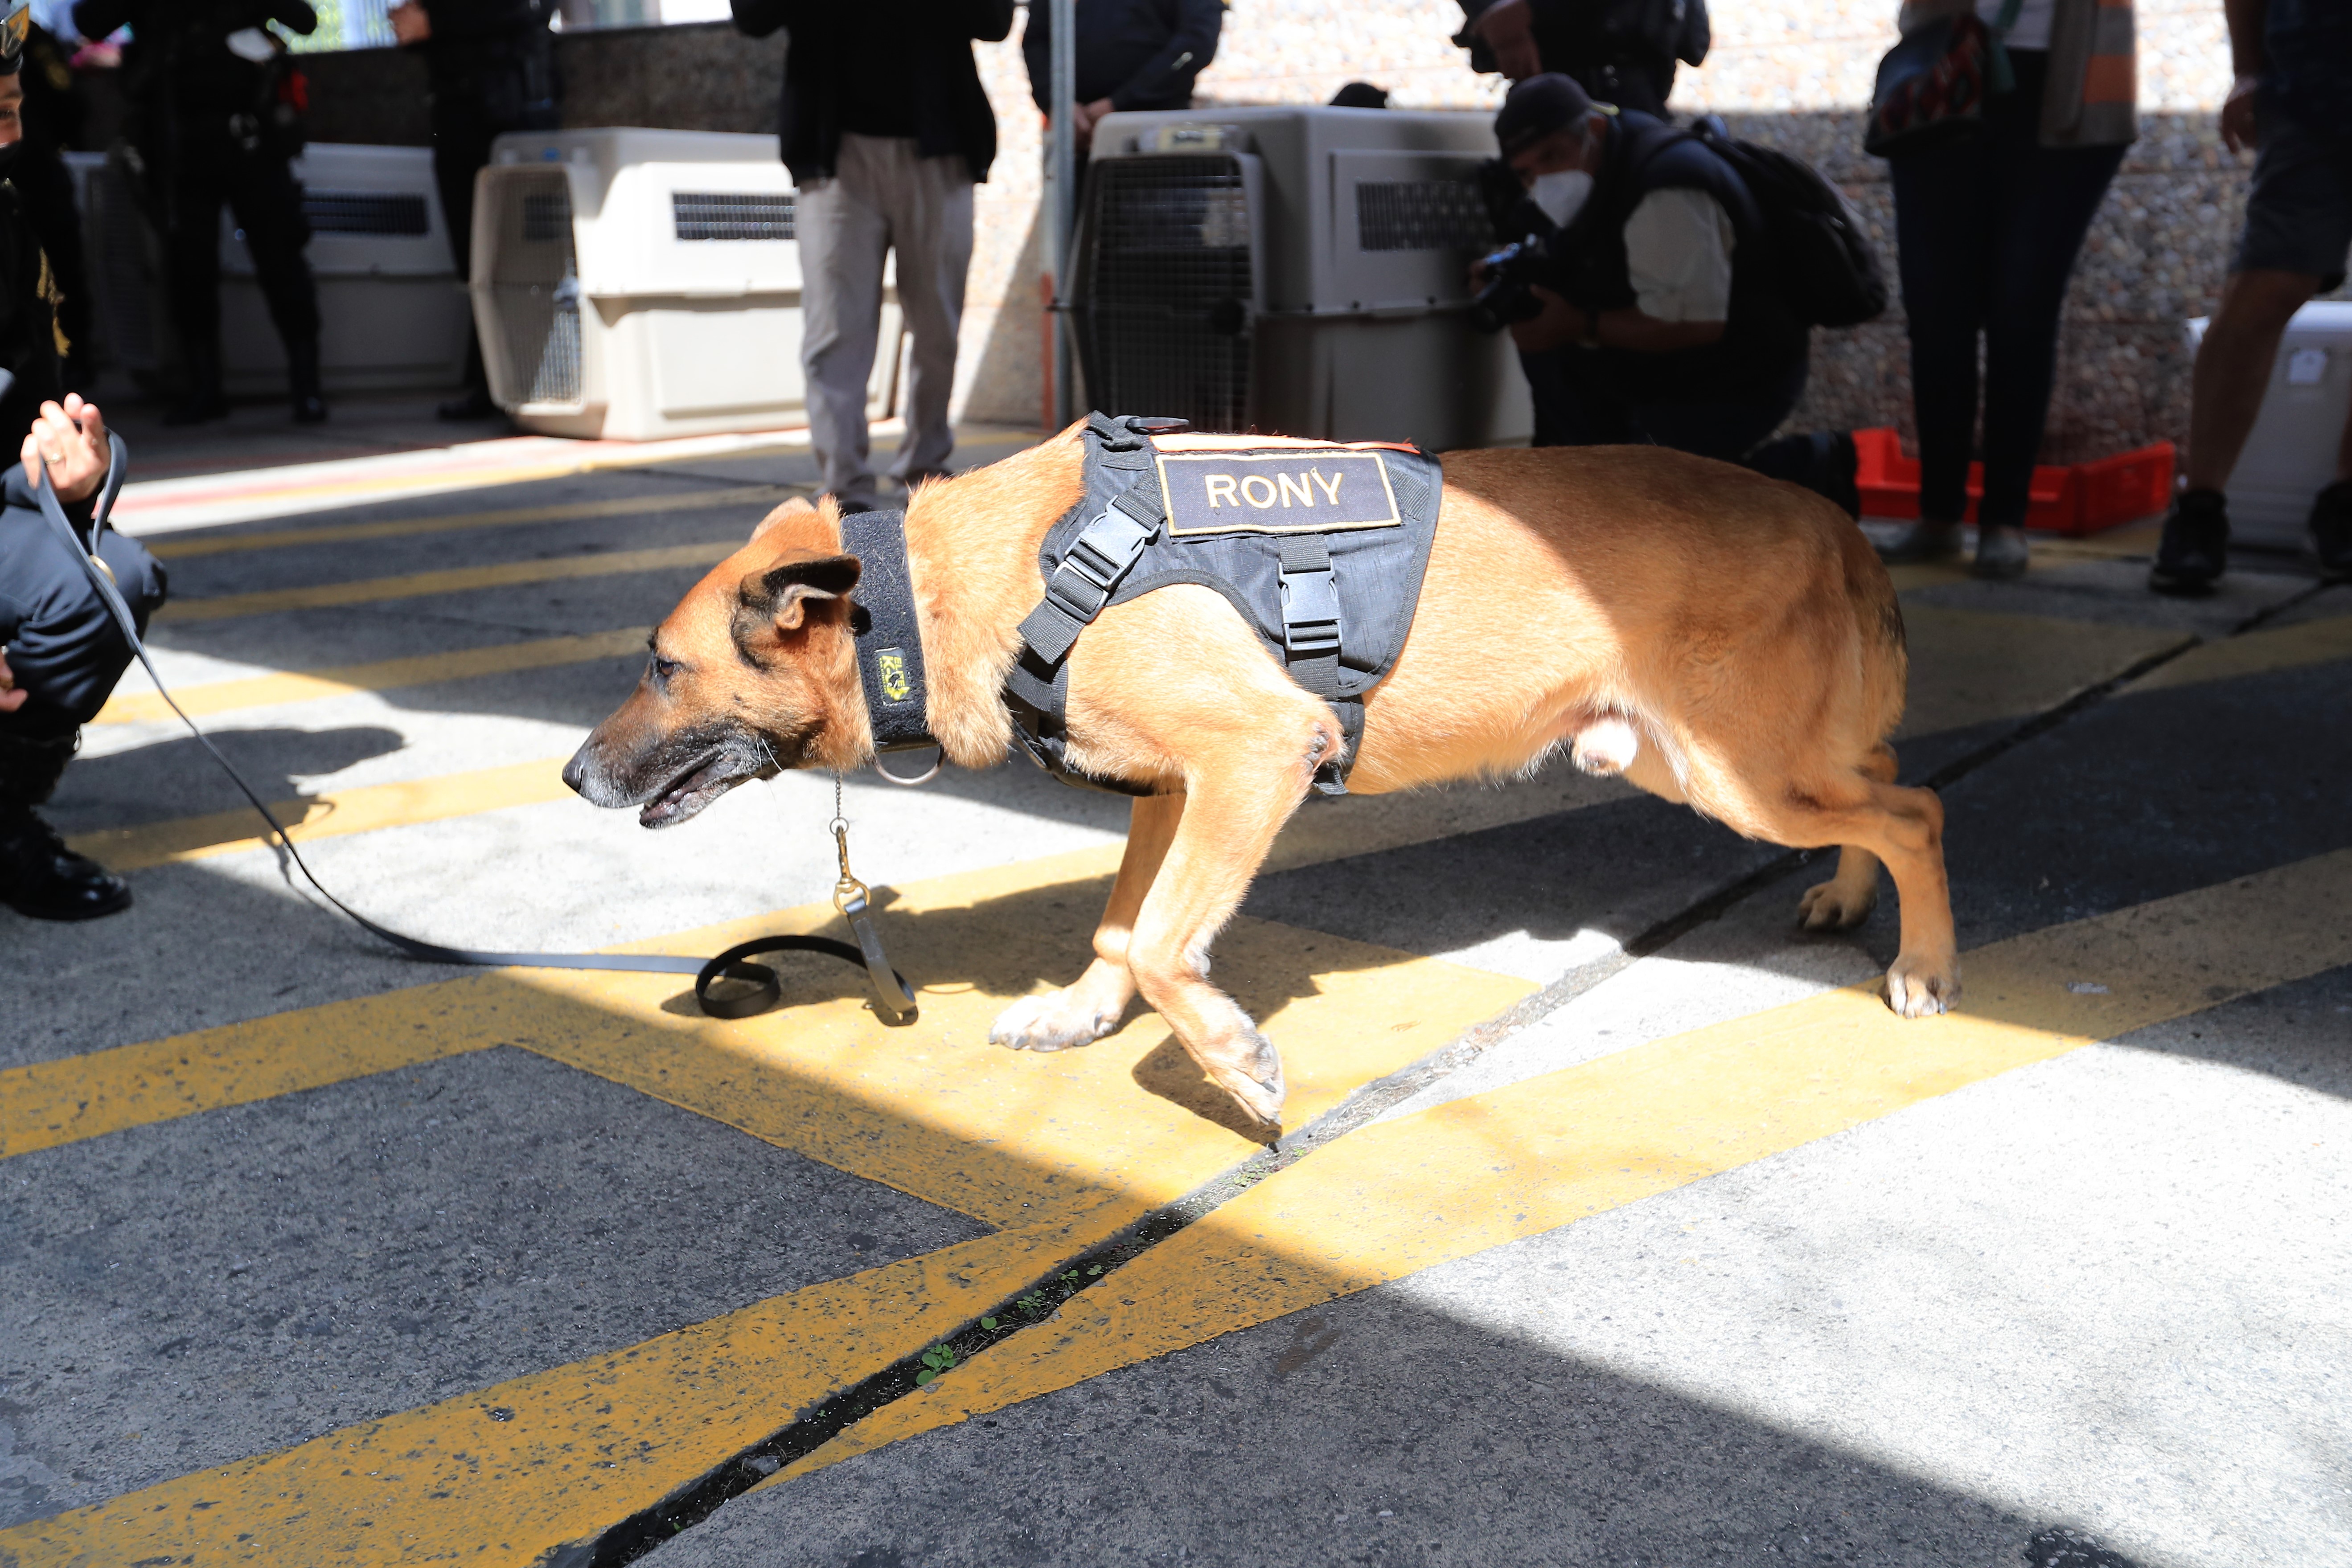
(1922, 541)
(2000, 553)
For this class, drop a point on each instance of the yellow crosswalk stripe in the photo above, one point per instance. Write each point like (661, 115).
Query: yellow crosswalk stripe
(362, 809)
(2255, 653)
(1399, 1196)
(185, 549)
(387, 675)
(382, 675)
(1971, 666)
(1062, 1151)
(455, 580)
(502, 1477)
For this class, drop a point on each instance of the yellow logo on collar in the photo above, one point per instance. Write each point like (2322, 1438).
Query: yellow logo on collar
(896, 685)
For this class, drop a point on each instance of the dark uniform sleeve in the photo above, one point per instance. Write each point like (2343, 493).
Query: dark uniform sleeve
(985, 20)
(97, 19)
(455, 20)
(1198, 23)
(758, 18)
(1038, 54)
(295, 16)
(63, 644)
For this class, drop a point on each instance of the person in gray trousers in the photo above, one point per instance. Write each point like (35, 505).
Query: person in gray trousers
(886, 130)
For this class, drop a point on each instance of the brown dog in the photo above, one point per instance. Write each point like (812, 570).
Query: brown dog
(1718, 638)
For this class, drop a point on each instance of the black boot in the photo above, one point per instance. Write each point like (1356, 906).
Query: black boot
(2195, 550)
(476, 403)
(204, 401)
(2331, 531)
(39, 877)
(302, 372)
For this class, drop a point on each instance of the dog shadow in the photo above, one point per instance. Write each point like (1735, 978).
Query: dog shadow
(1003, 948)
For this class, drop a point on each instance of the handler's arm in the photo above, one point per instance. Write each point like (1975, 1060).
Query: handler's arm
(1184, 56)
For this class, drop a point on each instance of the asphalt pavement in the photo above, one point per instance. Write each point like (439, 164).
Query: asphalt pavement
(1616, 1222)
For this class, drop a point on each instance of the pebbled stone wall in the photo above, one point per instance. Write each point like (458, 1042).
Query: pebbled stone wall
(1792, 75)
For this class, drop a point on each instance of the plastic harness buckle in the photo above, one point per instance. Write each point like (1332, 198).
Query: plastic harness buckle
(1310, 612)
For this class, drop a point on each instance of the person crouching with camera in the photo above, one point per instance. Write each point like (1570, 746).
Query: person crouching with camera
(60, 651)
(1645, 308)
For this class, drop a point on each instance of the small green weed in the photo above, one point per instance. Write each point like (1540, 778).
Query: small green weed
(936, 1360)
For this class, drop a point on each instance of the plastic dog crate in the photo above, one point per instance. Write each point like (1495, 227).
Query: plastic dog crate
(391, 314)
(1301, 271)
(2082, 498)
(636, 284)
(2291, 455)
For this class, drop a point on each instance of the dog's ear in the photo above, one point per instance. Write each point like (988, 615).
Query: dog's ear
(798, 507)
(780, 594)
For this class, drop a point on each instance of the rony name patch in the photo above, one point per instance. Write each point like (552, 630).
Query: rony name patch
(1293, 492)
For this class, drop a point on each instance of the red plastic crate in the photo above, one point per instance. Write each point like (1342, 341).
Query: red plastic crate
(2080, 499)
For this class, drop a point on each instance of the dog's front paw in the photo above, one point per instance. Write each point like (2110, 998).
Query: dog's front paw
(1917, 987)
(1055, 1021)
(1829, 907)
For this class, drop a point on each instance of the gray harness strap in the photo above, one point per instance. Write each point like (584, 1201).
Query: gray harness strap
(1333, 606)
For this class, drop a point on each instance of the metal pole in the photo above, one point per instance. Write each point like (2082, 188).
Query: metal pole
(1062, 193)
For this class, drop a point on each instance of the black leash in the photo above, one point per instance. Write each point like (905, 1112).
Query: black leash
(894, 1000)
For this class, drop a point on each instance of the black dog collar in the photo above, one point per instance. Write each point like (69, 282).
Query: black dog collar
(889, 644)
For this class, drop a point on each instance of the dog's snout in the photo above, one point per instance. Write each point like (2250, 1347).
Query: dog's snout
(589, 774)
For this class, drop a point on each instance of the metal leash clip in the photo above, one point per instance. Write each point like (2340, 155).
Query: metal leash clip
(892, 999)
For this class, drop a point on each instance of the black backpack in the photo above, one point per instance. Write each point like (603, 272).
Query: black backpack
(1829, 273)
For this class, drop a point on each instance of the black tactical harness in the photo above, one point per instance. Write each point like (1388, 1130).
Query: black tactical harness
(1326, 568)
(1328, 583)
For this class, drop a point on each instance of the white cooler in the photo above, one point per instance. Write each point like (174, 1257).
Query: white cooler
(2291, 457)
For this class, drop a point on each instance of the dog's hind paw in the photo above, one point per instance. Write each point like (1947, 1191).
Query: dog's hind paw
(1249, 1070)
(1055, 1021)
(1829, 907)
(1920, 988)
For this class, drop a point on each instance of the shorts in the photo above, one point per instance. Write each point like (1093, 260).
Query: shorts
(2299, 217)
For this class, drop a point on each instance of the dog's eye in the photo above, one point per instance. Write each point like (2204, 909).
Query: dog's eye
(665, 668)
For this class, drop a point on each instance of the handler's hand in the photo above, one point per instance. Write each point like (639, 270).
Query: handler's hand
(410, 24)
(12, 696)
(70, 439)
(2237, 113)
(1560, 324)
(1509, 29)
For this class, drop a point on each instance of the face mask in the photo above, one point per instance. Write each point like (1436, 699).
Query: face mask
(9, 158)
(1560, 196)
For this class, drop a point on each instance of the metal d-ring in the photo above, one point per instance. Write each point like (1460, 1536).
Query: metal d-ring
(924, 778)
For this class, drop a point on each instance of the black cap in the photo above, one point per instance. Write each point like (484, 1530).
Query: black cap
(14, 30)
(1537, 107)
(1361, 95)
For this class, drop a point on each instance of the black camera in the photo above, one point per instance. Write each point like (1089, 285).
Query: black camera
(1506, 296)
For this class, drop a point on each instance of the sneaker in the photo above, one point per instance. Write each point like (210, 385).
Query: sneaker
(2196, 549)
(43, 880)
(2331, 530)
(2000, 553)
(1922, 541)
